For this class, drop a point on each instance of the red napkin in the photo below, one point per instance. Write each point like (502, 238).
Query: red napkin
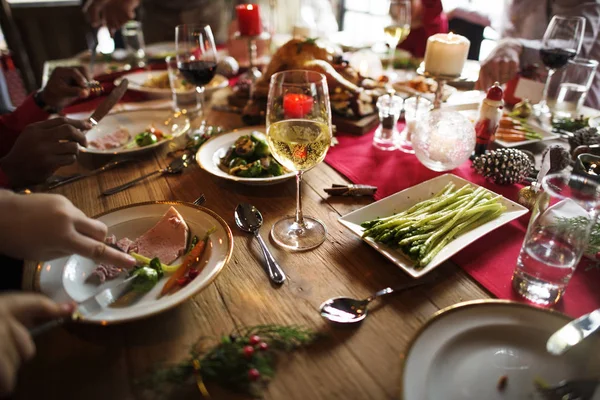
(491, 259)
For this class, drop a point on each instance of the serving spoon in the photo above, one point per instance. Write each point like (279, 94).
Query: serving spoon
(345, 310)
(249, 219)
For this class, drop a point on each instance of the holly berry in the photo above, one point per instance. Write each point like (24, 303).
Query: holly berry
(263, 346)
(253, 374)
(248, 351)
(254, 340)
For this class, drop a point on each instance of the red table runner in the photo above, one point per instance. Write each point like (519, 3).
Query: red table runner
(491, 259)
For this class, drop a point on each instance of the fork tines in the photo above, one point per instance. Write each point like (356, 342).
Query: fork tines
(199, 201)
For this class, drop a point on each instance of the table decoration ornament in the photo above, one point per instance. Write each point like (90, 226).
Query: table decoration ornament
(243, 361)
(351, 190)
(583, 137)
(443, 140)
(503, 166)
(250, 29)
(490, 112)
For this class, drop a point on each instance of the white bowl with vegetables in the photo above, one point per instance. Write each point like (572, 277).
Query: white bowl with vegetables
(242, 156)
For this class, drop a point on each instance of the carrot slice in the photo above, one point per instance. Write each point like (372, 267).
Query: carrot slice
(192, 258)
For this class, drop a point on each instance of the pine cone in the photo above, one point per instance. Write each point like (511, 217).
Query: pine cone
(584, 136)
(559, 158)
(503, 166)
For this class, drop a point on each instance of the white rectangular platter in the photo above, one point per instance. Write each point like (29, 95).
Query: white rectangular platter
(407, 198)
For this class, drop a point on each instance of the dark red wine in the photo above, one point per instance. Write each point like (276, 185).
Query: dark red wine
(556, 58)
(198, 72)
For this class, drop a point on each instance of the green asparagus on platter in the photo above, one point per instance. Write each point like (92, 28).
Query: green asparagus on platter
(425, 228)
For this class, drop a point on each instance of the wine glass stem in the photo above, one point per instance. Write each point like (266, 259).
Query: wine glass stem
(299, 215)
(546, 86)
(200, 100)
(392, 53)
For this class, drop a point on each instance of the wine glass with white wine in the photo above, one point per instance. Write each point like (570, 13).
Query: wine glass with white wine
(299, 135)
(398, 28)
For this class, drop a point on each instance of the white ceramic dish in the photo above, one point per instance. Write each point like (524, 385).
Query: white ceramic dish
(407, 198)
(462, 352)
(211, 152)
(473, 114)
(138, 79)
(135, 122)
(67, 278)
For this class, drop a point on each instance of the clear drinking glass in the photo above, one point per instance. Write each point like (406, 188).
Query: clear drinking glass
(575, 82)
(387, 136)
(196, 56)
(133, 39)
(561, 43)
(185, 98)
(558, 232)
(415, 108)
(299, 135)
(398, 28)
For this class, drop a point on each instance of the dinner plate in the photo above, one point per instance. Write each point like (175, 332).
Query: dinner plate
(473, 115)
(463, 352)
(138, 79)
(135, 122)
(409, 197)
(68, 278)
(211, 152)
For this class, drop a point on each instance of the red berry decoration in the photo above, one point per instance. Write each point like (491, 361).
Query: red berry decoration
(253, 374)
(263, 346)
(248, 351)
(254, 340)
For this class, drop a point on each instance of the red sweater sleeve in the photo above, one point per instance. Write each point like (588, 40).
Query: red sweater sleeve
(12, 124)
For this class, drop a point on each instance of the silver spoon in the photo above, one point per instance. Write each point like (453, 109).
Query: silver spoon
(345, 310)
(249, 219)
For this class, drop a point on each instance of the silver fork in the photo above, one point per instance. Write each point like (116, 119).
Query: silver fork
(577, 389)
(200, 200)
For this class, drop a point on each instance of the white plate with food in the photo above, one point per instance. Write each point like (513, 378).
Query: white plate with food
(218, 157)
(155, 84)
(155, 229)
(450, 241)
(514, 132)
(491, 349)
(423, 86)
(133, 131)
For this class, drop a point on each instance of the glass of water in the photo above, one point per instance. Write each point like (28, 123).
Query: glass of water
(566, 208)
(185, 97)
(575, 82)
(133, 38)
(415, 108)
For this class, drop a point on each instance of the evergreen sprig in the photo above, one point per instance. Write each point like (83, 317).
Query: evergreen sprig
(227, 363)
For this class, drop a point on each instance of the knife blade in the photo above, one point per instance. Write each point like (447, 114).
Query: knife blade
(108, 103)
(97, 171)
(573, 333)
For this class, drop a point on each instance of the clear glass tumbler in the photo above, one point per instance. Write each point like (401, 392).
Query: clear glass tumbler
(415, 108)
(557, 236)
(133, 38)
(185, 97)
(575, 81)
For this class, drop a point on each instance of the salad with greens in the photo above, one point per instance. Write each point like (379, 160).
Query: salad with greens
(250, 157)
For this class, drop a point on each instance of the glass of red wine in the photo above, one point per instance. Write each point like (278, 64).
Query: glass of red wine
(196, 56)
(562, 42)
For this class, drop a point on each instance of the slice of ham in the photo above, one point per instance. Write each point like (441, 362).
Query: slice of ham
(111, 141)
(165, 240)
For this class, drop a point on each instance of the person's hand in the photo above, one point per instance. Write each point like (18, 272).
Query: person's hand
(19, 311)
(65, 85)
(42, 148)
(118, 12)
(501, 65)
(47, 226)
(93, 10)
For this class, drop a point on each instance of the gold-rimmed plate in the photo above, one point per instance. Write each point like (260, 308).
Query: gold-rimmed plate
(68, 278)
(465, 351)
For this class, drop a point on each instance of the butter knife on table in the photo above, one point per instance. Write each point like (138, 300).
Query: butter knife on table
(573, 333)
(109, 102)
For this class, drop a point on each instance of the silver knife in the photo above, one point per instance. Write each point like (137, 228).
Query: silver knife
(573, 333)
(108, 103)
(77, 177)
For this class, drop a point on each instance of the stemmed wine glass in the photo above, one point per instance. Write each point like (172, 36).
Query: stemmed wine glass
(562, 42)
(398, 29)
(196, 55)
(299, 135)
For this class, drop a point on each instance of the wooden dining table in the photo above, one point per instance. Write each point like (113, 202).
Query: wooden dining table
(362, 361)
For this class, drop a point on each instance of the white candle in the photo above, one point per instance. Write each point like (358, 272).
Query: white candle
(446, 54)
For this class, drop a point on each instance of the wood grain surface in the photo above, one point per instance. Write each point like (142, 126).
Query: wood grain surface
(360, 362)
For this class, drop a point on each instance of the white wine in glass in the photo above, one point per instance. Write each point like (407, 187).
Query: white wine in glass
(299, 135)
(399, 27)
